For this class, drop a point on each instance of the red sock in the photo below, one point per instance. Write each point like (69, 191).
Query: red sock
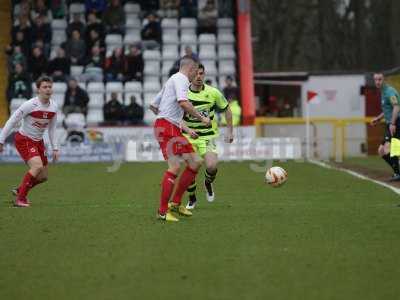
(187, 177)
(167, 187)
(34, 183)
(26, 185)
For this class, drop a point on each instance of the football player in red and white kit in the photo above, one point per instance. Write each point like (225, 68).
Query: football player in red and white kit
(170, 105)
(37, 115)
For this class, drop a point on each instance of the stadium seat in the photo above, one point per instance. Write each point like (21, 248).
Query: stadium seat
(188, 31)
(207, 38)
(188, 23)
(149, 98)
(151, 86)
(193, 46)
(95, 87)
(76, 71)
(170, 52)
(58, 38)
(132, 8)
(207, 52)
(170, 39)
(210, 67)
(149, 116)
(113, 40)
(226, 52)
(60, 24)
(170, 31)
(77, 8)
(82, 85)
(225, 23)
(132, 38)
(169, 23)
(151, 55)
(133, 86)
(188, 39)
(15, 103)
(59, 87)
(226, 67)
(96, 100)
(225, 31)
(114, 87)
(151, 68)
(134, 23)
(227, 38)
(60, 118)
(166, 67)
(127, 98)
(59, 99)
(95, 116)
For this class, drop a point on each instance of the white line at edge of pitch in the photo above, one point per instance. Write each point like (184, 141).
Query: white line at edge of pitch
(355, 174)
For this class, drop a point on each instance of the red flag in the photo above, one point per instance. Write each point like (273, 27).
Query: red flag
(311, 95)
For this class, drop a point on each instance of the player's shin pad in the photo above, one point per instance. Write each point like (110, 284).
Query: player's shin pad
(210, 177)
(192, 188)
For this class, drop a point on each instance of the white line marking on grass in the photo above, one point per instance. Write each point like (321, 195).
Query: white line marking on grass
(355, 174)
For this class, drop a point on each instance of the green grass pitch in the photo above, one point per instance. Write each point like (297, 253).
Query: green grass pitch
(91, 234)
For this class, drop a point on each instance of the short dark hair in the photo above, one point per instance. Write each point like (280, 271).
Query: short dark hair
(42, 79)
(201, 66)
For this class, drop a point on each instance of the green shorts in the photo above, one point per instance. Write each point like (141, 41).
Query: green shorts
(203, 146)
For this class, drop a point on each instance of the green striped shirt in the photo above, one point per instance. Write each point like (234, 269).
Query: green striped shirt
(206, 101)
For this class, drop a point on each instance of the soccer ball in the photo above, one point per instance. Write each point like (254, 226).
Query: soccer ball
(276, 176)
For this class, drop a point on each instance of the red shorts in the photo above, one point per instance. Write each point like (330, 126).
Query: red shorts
(29, 148)
(170, 138)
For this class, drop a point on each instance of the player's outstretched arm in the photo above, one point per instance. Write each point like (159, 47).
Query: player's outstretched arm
(229, 124)
(15, 118)
(377, 119)
(189, 108)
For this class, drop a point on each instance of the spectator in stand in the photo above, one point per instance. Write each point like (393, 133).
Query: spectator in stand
(134, 113)
(59, 67)
(95, 40)
(58, 9)
(96, 6)
(75, 48)
(76, 99)
(114, 67)
(22, 42)
(20, 84)
(40, 9)
(93, 23)
(15, 56)
(188, 52)
(151, 32)
(94, 66)
(208, 16)
(24, 9)
(38, 63)
(76, 24)
(169, 8)
(188, 9)
(41, 31)
(149, 5)
(114, 18)
(134, 64)
(113, 111)
(230, 91)
(225, 8)
(23, 25)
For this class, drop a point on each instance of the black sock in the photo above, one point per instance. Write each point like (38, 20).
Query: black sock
(210, 177)
(393, 162)
(192, 188)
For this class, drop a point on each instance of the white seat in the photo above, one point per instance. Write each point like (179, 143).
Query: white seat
(60, 118)
(77, 8)
(226, 52)
(149, 116)
(170, 54)
(170, 31)
(207, 38)
(226, 67)
(113, 39)
(225, 31)
(58, 39)
(227, 38)
(152, 68)
(132, 8)
(149, 98)
(59, 99)
(76, 70)
(82, 85)
(210, 67)
(151, 86)
(132, 38)
(114, 87)
(169, 23)
(133, 23)
(15, 103)
(225, 23)
(188, 23)
(95, 87)
(133, 86)
(170, 39)
(151, 55)
(165, 69)
(193, 46)
(96, 100)
(188, 39)
(188, 31)
(59, 87)
(127, 98)
(95, 116)
(207, 52)
(59, 24)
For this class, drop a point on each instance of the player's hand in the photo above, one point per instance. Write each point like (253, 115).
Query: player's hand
(374, 121)
(193, 134)
(1, 147)
(229, 138)
(392, 129)
(56, 155)
(206, 121)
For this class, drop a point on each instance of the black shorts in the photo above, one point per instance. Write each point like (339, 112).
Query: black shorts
(387, 137)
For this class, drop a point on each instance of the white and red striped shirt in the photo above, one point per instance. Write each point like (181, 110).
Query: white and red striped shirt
(36, 117)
